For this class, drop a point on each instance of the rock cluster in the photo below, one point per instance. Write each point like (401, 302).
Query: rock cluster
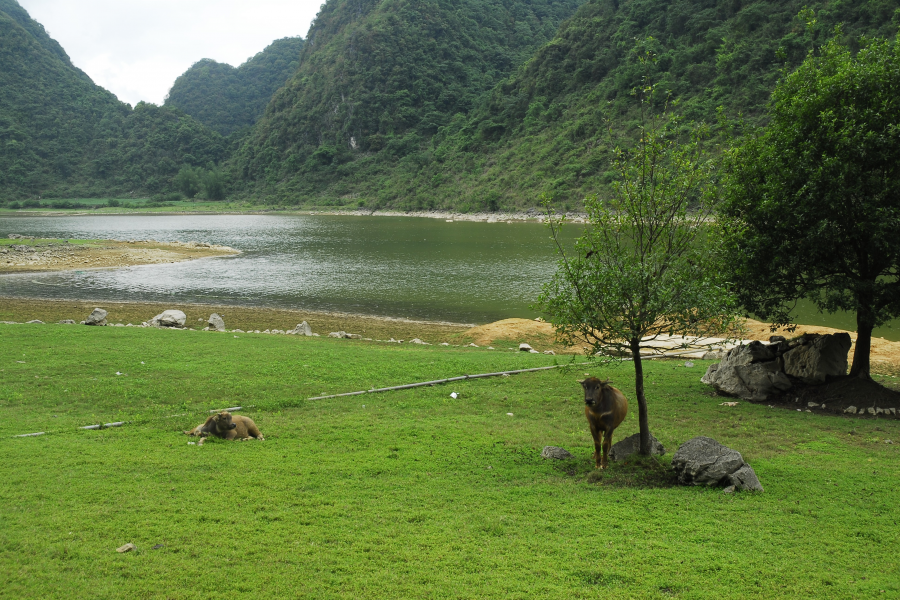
(555, 452)
(345, 335)
(704, 461)
(757, 370)
(632, 445)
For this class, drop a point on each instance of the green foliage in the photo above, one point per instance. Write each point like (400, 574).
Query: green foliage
(63, 136)
(642, 267)
(213, 182)
(188, 181)
(813, 199)
(377, 79)
(229, 99)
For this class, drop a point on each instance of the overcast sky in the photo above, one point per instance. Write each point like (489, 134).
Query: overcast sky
(136, 48)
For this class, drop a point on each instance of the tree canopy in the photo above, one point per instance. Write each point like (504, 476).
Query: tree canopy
(812, 201)
(643, 266)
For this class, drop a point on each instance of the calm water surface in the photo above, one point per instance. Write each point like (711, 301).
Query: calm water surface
(388, 266)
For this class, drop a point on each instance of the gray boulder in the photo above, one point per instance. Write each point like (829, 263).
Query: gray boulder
(741, 373)
(555, 452)
(169, 318)
(36, 321)
(215, 322)
(67, 322)
(302, 329)
(345, 335)
(704, 461)
(816, 357)
(632, 445)
(97, 317)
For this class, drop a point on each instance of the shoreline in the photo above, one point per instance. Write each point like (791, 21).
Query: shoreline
(37, 255)
(532, 216)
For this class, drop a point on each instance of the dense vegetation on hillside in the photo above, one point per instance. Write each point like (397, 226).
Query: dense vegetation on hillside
(544, 128)
(377, 79)
(62, 135)
(230, 99)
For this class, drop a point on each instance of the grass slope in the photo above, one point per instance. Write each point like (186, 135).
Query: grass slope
(412, 493)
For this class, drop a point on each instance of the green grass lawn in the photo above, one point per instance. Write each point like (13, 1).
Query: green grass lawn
(409, 494)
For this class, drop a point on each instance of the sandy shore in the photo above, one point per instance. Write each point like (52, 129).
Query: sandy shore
(32, 255)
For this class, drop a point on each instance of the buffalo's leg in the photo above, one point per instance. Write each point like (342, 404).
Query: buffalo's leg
(607, 442)
(598, 444)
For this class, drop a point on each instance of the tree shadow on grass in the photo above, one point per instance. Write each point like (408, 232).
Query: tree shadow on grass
(638, 472)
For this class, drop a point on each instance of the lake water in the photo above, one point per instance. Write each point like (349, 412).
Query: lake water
(388, 266)
(417, 268)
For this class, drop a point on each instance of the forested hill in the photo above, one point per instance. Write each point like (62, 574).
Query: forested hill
(388, 103)
(544, 130)
(63, 136)
(378, 78)
(229, 99)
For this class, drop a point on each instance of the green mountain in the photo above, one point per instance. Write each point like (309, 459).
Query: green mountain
(229, 99)
(377, 79)
(545, 129)
(391, 102)
(61, 135)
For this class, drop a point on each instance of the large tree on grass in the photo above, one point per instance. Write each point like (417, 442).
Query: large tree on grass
(642, 268)
(812, 201)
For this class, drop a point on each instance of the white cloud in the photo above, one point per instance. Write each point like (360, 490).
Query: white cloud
(136, 48)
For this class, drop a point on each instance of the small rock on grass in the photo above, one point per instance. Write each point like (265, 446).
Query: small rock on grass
(126, 548)
(556, 452)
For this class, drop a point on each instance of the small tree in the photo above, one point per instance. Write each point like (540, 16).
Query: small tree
(642, 267)
(214, 184)
(187, 181)
(812, 202)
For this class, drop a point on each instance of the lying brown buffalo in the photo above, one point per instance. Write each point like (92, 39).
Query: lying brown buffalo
(605, 409)
(227, 426)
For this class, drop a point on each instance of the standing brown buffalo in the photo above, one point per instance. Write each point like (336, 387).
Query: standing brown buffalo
(605, 408)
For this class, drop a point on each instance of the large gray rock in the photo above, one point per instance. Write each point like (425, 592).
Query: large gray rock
(97, 317)
(632, 445)
(817, 357)
(741, 374)
(302, 329)
(216, 323)
(169, 318)
(556, 453)
(704, 461)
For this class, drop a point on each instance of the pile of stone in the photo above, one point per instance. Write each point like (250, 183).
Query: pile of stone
(756, 371)
(344, 335)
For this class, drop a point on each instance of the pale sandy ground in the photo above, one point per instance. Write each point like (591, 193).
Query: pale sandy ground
(24, 256)
(540, 335)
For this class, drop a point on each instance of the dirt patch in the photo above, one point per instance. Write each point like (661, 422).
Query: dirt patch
(28, 256)
(509, 333)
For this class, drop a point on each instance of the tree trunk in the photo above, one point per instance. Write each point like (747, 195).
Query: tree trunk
(865, 323)
(643, 422)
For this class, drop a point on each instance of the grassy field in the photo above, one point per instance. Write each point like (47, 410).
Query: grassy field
(409, 494)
